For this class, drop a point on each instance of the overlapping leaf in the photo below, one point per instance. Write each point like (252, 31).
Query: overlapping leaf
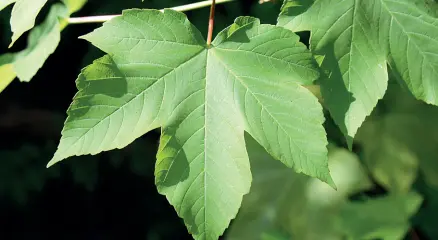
(401, 143)
(7, 73)
(380, 218)
(358, 39)
(307, 209)
(160, 73)
(42, 42)
(23, 16)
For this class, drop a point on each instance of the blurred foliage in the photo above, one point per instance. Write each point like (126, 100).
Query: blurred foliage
(306, 208)
(381, 186)
(387, 187)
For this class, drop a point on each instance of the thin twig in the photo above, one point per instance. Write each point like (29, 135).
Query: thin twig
(183, 8)
(211, 23)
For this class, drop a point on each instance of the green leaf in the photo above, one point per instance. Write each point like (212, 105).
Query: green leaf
(160, 73)
(358, 39)
(384, 218)
(5, 3)
(43, 41)
(23, 16)
(7, 74)
(74, 5)
(388, 152)
(303, 206)
(402, 142)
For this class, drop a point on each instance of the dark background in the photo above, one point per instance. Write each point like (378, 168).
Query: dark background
(108, 196)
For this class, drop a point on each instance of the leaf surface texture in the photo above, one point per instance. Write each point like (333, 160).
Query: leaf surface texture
(160, 73)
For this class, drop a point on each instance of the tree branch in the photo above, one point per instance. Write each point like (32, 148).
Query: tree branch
(100, 19)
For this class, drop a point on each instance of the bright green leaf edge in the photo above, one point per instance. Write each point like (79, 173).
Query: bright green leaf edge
(24, 14)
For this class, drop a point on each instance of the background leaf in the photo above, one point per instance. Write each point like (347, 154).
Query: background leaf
(402, 142)
(6, 3)
(304, 207)
(74, 5)
(42, 42)
(358, 38)
(308, 209)
(23, 16)
(7, 73)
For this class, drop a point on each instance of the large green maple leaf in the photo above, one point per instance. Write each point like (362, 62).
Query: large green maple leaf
(159, 72)
(358, 38)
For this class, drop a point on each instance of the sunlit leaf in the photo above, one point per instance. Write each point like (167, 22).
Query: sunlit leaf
(5, 3)
(7, 74)
(43, 41)
(23, 16)
(160, 73)
(358, 39)
(74, 5)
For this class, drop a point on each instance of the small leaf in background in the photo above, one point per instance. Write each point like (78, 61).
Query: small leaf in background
(391, 161)
(401, 142)
(358, 39)
(7, 73)
(304, 207)
(204, 98)
(23, 16)
(42, 42)
(384, 218)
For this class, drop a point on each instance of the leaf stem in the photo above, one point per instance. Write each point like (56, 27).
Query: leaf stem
(183, 8)
(211, 23)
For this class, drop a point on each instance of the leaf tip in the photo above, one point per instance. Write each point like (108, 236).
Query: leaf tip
(330, 182)
(51, 163)
(14, 39)
(84, 37)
